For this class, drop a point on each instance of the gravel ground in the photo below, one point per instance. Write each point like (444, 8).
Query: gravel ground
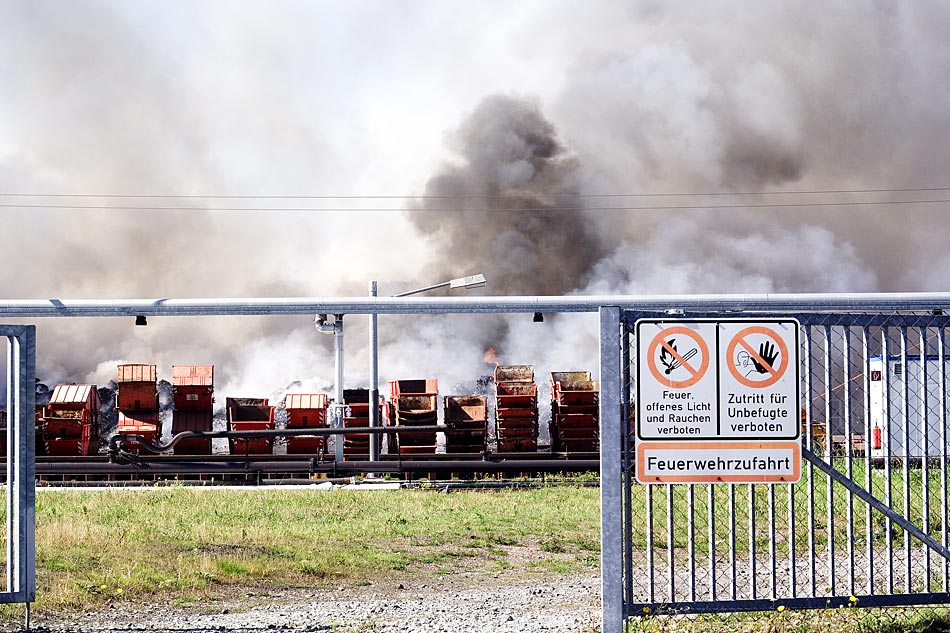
(490, 603)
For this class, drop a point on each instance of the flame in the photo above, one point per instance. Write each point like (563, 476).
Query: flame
(491, 357)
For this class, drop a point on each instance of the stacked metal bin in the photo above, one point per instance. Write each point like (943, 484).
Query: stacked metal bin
(357, 403)
(193, 393)
(466, 419)
(575, 421)
(516, 408)
(415, 403)
(70, 422)
(305, 411)
(137, 402)
(250, 414)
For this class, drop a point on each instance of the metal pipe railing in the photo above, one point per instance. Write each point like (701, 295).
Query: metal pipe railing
(918, 301)
(118, 438)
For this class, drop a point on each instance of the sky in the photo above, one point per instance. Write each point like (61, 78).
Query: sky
(419, 141)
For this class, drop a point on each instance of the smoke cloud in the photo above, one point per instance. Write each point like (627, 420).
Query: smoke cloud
(523, 139)
(508, 206)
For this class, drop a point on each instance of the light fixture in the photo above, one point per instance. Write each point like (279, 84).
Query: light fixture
(538, 317)
(140, 320)
(472, 281)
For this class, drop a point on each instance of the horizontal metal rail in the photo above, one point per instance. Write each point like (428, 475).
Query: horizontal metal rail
(288, 432)
(21, 308)
(769, 604)
(118, 438)
(315, 466)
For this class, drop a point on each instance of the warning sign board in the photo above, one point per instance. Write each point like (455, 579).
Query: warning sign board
(726, 462)
(723, 390)
(759, 387)
(678, 395)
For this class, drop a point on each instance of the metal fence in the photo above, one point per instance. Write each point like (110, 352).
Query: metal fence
(867, 523)
(865, 526)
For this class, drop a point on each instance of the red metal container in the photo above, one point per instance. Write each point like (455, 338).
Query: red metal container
(65, 447)
(416, 410)
(193, 387)
(516, 432)
(463, 410)
(136, 388)
(69, 424)
(251, 446)
(83, 398)
(428, 386)
(464, 441)
(415, 403)
(574, 412)
(357, 446)
(574, 388)
(524, 445)
(143, 423)
(86, 444)
(516, 414)
(586, 445)
(140, 423)
(587, 421)
(306, 445)
(306, 410)
(136, 373)
(516, 408)
(514, 373)
(250, 414)
(516, 394)
(192, 421)
(467, 419)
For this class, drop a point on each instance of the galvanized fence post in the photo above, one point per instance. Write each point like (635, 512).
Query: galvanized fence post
(611, 472)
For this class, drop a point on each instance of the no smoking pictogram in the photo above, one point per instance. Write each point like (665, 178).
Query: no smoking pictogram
(764, 357)
(666, 357)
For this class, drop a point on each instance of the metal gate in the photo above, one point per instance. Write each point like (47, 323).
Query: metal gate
(867, 524)
(20, 506)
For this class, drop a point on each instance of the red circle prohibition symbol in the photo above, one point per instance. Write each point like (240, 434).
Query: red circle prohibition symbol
(696, 374)
(775, 373)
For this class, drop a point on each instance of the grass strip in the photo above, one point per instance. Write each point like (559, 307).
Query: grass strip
(181, 543)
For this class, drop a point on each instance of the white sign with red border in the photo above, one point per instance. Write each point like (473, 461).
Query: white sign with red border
(718, 400)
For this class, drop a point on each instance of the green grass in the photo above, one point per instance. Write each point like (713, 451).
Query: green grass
(181, 543)
(184, 545)
(837, 620)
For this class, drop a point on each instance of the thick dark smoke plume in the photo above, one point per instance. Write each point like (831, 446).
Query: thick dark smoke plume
(509, 206)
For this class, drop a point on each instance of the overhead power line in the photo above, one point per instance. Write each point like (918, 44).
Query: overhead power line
(484, 209)
(470, 197)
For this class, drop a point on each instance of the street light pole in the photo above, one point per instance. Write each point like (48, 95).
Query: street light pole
(472, 281)
(373, 379)
(338, 353)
